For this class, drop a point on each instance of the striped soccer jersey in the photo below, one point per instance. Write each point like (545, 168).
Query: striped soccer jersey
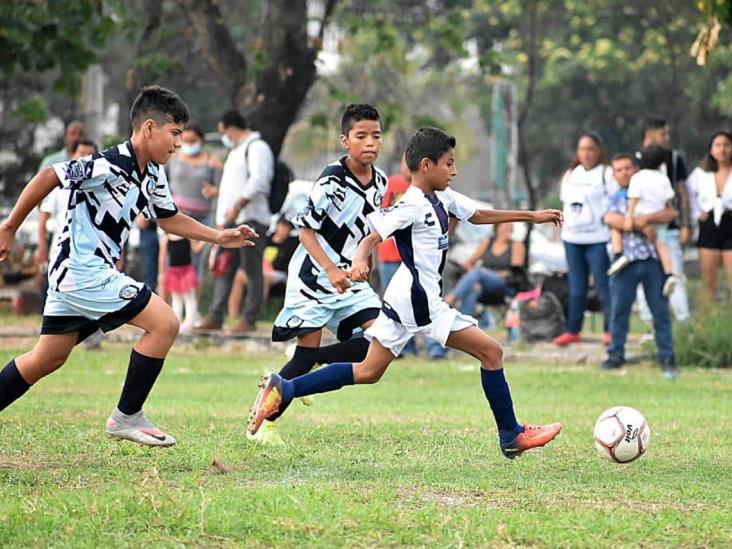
(107, 191)
(419, 226)
(337, 208)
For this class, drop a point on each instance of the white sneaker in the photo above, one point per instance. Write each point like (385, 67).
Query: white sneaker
(618, 265)
(136, 428)
(669, 285)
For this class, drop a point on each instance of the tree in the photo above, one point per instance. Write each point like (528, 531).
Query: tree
(272, 86)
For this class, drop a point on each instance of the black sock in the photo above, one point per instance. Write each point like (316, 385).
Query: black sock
(353, 350)
(12, 385)
(301, 362)
(141, 376)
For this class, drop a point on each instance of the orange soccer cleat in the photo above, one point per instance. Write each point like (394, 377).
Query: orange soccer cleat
(533, 436)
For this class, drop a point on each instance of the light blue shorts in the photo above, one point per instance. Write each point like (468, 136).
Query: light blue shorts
(343, 316)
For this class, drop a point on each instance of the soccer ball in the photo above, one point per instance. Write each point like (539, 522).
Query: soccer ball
(622, 434)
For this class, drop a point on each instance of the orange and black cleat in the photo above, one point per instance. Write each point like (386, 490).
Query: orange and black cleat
(268, 402)
(533, 436)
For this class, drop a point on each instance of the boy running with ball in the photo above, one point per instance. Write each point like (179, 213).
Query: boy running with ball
(413, 301)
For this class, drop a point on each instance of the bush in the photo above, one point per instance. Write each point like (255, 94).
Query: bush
(705, 342)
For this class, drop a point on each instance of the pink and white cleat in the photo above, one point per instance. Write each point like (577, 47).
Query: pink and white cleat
(136, 428)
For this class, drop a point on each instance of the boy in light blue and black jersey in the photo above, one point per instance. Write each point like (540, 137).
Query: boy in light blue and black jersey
(107, 192)
(333, 224)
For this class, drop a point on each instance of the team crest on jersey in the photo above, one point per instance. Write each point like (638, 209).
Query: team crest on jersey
(294, 322)
(378, 198)
(442, 242)
(75, 171)
(151, 184)
(129, 292)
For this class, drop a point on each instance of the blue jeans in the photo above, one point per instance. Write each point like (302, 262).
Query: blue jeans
(149, 249)
(583, 259)
(473, 284)
(623, 287)
(679, 300)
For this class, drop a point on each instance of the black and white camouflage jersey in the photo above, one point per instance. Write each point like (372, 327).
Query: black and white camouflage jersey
(337, 208)
(107, 192)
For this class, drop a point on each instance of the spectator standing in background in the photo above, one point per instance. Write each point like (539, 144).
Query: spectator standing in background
(656, 132)
(643, 268)
(584, 192)
(194, 177)
(243, 195)
(710, 186)
(74, 132)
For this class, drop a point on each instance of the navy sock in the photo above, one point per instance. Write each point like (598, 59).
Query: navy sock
(498, 394)
(301, 363)
(353, 350)
(329, 378)
(12, 385)
(141, 375)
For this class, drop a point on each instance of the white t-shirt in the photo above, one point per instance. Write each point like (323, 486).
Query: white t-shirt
(584, 194)
(56, 205)
(418, 223)
(653, 190)
(703, 196)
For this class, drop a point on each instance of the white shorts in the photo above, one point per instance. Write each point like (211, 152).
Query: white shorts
(394, 336)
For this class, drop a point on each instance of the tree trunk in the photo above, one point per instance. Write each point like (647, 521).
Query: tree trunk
(272, 96)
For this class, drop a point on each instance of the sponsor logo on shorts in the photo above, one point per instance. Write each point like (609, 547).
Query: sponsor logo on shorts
(294, 322)
(129, 292)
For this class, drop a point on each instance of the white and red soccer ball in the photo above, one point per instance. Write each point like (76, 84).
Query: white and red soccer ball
(622, 434)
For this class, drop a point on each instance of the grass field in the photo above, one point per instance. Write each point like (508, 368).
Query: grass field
(412, 461)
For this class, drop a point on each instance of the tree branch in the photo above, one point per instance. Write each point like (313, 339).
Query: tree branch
(217, 46)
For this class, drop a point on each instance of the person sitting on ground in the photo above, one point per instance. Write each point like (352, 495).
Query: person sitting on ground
(489, 269)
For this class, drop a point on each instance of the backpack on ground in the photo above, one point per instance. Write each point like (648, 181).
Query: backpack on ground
(542, 319)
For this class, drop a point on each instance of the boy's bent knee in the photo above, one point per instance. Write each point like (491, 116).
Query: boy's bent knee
(491, 356)
(366, 375)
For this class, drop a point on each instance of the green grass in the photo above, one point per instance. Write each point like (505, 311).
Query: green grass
(412, 461)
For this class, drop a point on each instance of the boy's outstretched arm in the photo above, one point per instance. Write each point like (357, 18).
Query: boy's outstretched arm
(36, 190)
(187, 227)
(336, 276)
(488, 217)
(360, 267)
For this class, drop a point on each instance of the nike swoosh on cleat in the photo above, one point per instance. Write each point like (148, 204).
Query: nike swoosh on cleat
(161, 438)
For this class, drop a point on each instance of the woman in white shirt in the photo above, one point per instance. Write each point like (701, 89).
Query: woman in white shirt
(710, 190)
(584, 192)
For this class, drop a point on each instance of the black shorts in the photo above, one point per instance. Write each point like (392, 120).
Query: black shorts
(86, 326)
(716, 237)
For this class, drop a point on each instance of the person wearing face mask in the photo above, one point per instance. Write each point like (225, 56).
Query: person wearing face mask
(243, 194)
(194, 176)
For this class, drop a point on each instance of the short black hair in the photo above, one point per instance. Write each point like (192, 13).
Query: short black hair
(429, 143)
(653, 156)
(356, 112)
(653, 123)
(195, 128)
(160, 104)
(86, 142)
(624, 156)
(234, 119)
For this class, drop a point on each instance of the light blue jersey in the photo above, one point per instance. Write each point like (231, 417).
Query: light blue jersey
(107, 192)
(337, 208)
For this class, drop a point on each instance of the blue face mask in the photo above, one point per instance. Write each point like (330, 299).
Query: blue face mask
(190, 149)
(227, 142)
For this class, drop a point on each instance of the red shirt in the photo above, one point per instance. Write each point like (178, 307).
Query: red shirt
(395, 188)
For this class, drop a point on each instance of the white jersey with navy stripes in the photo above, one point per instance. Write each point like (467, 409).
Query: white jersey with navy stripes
(107, 192)
(419, 226)
(337, 208)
